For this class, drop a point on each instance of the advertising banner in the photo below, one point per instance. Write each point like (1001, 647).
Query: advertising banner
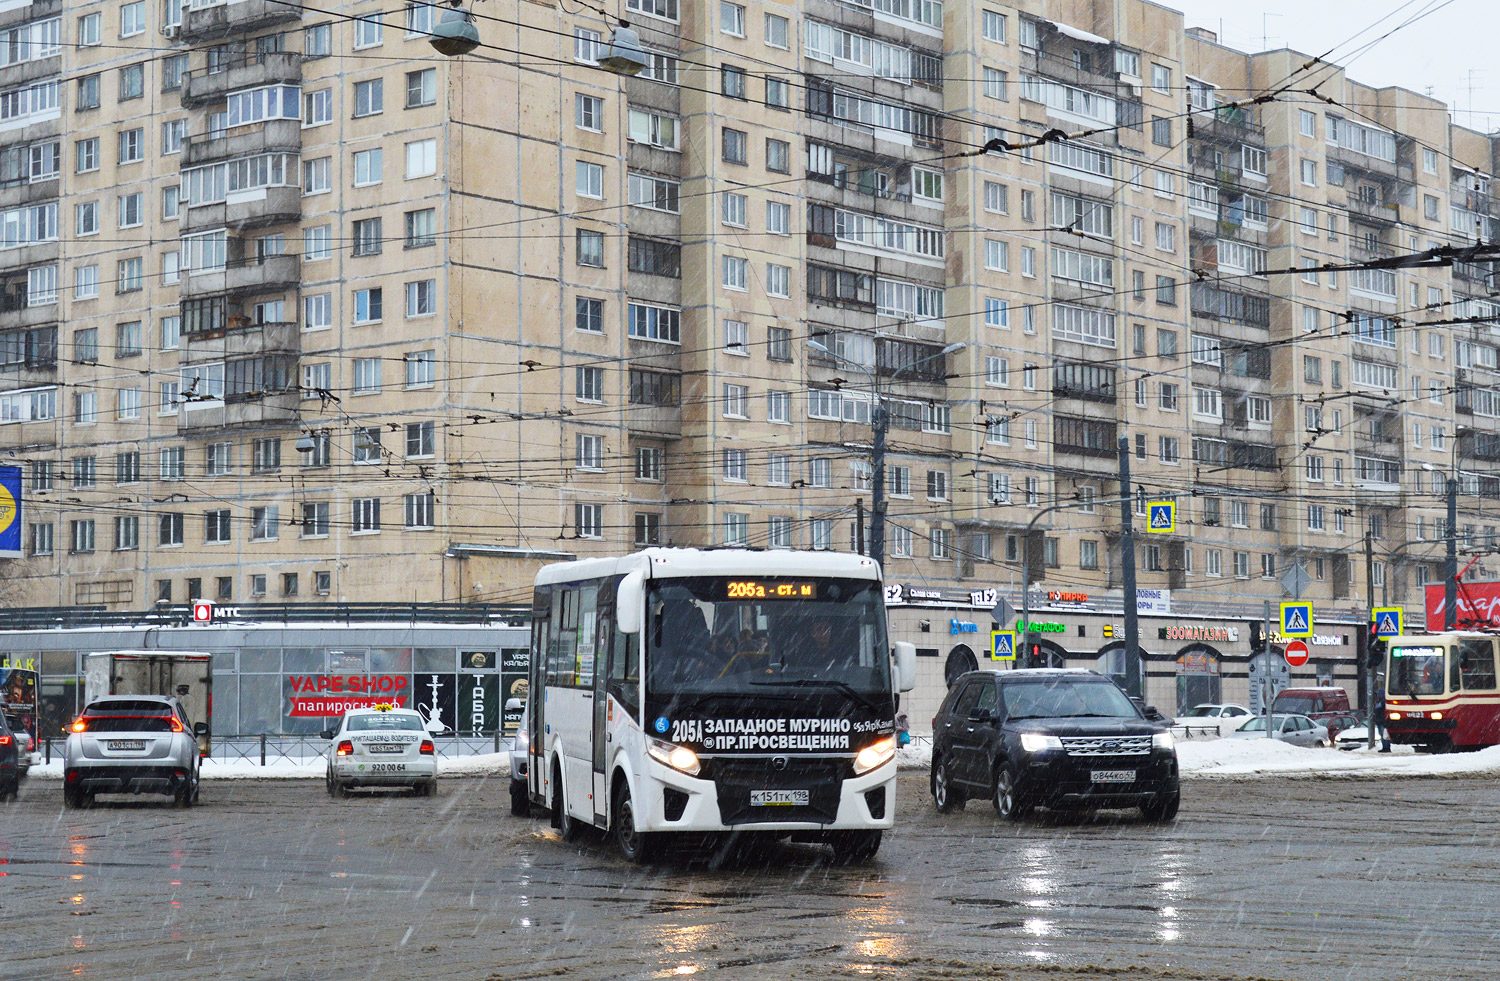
(515, 663)
(10, 512)
(323, 695)
(478, 704)
(1479, 608)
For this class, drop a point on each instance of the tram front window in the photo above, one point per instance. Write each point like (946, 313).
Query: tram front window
(725, 635)
(1416, 670)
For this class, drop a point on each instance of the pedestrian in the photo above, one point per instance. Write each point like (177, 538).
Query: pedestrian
(1377, 717)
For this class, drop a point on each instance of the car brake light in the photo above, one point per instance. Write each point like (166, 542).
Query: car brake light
(176, 726)
(4, 740)
(80, 726)
(427, 747)
(346, 748)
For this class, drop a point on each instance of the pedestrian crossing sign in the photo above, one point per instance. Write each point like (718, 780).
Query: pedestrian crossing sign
(1161, 516)
(1387, 621)
(1002, 645)
(1296, 620)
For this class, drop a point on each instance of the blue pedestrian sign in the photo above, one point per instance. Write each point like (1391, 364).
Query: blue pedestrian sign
(1002, 645)
(1161, 516)
(1296, 620)
(1387, 621)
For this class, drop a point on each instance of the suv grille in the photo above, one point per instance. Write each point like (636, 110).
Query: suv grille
(1107, 745)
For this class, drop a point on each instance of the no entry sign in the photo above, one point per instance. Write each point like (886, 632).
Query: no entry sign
(1296, 653)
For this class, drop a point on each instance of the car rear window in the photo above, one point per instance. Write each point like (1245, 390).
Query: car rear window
(366, 723)
(1296, 704)
(128, 717)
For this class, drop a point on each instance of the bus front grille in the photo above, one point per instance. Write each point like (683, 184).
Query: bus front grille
(736, 779)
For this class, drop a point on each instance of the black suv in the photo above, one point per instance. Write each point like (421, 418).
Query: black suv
(1050, 737)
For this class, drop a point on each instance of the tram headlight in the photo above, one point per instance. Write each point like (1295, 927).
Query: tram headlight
(1436, 715)
(675, 756)
(878, 753)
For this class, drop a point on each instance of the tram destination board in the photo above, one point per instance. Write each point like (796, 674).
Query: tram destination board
(770, 589)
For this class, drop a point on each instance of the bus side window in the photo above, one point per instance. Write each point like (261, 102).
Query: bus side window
(624, 679)
(1477, 661)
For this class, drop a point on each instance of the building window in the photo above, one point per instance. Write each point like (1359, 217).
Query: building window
(421, 158)
(736, 529)
(364, 516)
(169, 529)
(588, 179)
(734, 145)
(366, 376)
(589, 452)
(419, 511)
(368, 167)
(369, 97)
(216, 526)
(649, 463)
(265, 523)
(588, 315)
(421, 369)
(367, 444)
(734, 464)
(368, 32)
(588, 520)
(369, 305)
(731, 18)
(367, 238)
(421, 228)
(779, 344)
(778, 157)
(81, 536)
(589, 382)
(590, 248)
(421, 298)
(315, 519)
(421, 88)
(588, 112)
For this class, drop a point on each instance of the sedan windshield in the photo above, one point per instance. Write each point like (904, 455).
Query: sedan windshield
(1065, 698)
(727, 635)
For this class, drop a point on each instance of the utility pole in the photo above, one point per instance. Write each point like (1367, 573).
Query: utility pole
(880, 421)
(859, 524)
(1450, 583)
(1133, 680)
(1370, 635)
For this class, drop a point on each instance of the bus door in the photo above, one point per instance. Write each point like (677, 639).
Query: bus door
(603, 644)
(536, 691)
(570, 696)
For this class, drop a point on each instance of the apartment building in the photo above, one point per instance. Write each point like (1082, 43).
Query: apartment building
(296, 309)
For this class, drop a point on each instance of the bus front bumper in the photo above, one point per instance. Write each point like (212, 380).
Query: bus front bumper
(807, 794)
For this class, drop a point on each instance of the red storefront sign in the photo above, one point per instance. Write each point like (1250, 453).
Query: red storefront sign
(1478, 605)
(319, 696)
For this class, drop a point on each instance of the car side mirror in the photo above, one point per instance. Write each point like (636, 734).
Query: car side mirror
(328, 733)
(906, 665)
(200, 729)
(1150, 712)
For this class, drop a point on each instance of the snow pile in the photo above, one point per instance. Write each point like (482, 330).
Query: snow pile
(1272, 757)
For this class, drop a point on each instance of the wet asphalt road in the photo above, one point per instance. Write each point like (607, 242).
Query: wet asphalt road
(1295, 879)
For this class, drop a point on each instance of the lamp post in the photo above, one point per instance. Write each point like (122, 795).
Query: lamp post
(1450, 534)
(1026, 563)
(880, 422)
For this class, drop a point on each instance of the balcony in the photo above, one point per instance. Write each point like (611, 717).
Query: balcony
(1375, 211)
(654, 420)
(1370, 166)
(201, 418)
(241, 339)
(276, 135)
(250, 209)
(17, 312)
(222, 20)
(13, 76)
(200, 87)
(274, 274)
(1229, 125)
(17, 193)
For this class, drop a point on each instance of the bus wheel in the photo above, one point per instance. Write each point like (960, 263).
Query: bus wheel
(561, 819)
(854, 847)
(637, 846)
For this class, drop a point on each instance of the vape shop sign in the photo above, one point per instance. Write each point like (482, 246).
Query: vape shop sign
(321, 695)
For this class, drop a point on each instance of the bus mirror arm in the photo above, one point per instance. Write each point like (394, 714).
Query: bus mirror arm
(906, 665)
(630, 603)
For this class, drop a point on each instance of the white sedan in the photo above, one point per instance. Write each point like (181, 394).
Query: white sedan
(382, 746)
(1221, 717)
(1298, 730)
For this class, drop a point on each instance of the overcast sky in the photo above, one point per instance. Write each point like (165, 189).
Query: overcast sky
(1437, 52)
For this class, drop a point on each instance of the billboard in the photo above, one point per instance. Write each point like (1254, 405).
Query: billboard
(10, 512)
(1478, 605)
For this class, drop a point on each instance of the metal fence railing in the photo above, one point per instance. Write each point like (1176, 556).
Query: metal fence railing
(265, 750)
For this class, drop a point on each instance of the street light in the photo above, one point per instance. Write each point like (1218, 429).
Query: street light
(880, 422)
(455, 33)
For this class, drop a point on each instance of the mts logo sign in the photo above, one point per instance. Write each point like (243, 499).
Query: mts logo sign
(204, 611)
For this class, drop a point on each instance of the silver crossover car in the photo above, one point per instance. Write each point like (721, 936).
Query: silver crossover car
(131, 744)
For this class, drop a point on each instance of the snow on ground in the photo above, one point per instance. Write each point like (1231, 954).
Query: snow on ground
(1235, 759)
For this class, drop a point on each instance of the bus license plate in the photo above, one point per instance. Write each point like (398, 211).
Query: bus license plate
(385, 747)
(127, 744)
(778, 798)
(1114, 776)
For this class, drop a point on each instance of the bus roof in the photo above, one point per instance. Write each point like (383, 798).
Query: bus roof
(662, 563)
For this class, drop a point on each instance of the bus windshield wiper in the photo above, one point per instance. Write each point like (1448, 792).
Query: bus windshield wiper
(842, 686)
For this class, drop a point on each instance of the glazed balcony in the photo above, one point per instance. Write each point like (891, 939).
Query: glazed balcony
(200, 88)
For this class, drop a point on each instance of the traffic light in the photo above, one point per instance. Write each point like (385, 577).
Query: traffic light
(1374, 650)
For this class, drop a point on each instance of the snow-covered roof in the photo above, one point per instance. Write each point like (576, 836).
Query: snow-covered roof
(1078, 34)
(667, 562)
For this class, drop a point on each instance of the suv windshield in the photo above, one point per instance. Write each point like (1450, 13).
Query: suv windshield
(741, 635)
(1051, 698)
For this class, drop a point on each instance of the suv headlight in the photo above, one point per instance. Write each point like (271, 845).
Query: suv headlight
(878, 753)
(675, 756)
(1039, 742)
(1163, 740)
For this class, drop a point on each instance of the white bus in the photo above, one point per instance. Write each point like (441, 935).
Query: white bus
(686, 690)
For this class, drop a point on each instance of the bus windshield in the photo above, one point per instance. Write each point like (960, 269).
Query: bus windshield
(1416, 670)
(739, 635)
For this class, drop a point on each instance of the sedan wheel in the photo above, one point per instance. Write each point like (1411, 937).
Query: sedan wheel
(1009, 804)
(945, 796)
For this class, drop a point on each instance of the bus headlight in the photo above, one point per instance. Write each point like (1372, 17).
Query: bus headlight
(1163, 740)
(1039, 742)
(675, 756)
(878, 753)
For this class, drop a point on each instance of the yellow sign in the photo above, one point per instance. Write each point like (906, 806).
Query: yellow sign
(1296, 620)
(1002, 645)
(1161, 516)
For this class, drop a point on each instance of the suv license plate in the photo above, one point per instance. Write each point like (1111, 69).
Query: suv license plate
(385, 747)
(127, 744)
(1114, 776)
(781, 798)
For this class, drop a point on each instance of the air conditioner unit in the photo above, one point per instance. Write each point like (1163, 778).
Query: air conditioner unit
(170, 31)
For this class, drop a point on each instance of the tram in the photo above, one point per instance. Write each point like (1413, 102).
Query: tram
(1441, 691)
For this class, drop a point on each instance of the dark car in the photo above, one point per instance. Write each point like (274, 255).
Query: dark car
(10, 755)
(1051, 738)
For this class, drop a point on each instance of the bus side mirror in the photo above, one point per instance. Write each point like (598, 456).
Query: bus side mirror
(513, 705)
(906, 666)
(630, 601)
